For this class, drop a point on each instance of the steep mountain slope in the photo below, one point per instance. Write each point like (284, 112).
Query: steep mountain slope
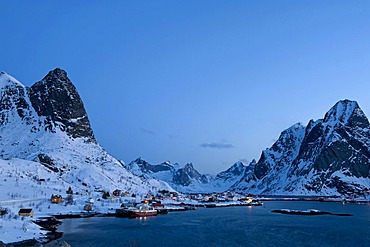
(187, 179)
(328, 157)
(48, 124)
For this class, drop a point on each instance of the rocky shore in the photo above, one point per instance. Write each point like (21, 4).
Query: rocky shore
(35, 243)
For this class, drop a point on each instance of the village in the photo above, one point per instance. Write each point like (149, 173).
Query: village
(118, 203)
(37, 219)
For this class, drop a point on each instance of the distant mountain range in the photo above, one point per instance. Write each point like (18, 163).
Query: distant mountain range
(187, 179)
(329, 156)
(46, 126)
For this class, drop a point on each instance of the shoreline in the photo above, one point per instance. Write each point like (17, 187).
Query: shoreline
(53, 236)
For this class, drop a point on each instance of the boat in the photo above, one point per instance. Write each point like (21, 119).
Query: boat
(124, 212)
(253, 202)
(143, 210)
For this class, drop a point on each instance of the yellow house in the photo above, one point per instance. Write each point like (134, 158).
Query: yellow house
(56, 199)
(88, 207)
(25, 212)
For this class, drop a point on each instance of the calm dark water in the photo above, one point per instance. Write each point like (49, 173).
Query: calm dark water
(232, 226)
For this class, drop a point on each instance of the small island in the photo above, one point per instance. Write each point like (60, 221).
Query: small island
(306, 212)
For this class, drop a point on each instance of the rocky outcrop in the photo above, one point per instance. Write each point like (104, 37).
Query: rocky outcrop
(56, 99)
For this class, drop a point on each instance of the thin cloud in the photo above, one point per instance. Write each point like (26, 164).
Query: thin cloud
(147, 131)
(217, 145)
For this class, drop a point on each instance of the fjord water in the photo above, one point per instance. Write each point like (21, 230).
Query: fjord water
(231, 226)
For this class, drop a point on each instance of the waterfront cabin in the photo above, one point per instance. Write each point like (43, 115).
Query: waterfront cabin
(26, 212)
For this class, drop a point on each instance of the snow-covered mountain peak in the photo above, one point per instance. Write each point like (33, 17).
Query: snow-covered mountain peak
(56, 73)
(189, 166)
(329, 156)
(341, 112)
(237, 166)
(47, 124)
(140, 161)
(298, 127)
(7, 80)
(237, 169)
(289, 137)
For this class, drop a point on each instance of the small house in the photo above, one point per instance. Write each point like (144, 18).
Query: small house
(117, 192)
(157, 204)
(3, 211)
(69, 191)
(56, 199)
(25, 212)
(88, 207)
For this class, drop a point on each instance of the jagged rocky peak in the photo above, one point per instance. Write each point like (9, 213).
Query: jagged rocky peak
(146, 167)
(13, 100)
(233, 173)
(329, 156)
(283, 151)
(289, 137)
(56, 98)
(236, 169)
(189, 167)
(185, 176)
(141, 161)
(346, 112)
(7, 80)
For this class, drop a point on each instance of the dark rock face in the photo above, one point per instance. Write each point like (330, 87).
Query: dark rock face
(339, 142)
(47, 162)
(56, 98)
(262, 167)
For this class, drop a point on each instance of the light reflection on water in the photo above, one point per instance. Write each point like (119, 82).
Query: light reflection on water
(232, 226)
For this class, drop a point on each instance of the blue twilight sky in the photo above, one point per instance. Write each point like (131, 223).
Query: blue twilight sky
(208, 82)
